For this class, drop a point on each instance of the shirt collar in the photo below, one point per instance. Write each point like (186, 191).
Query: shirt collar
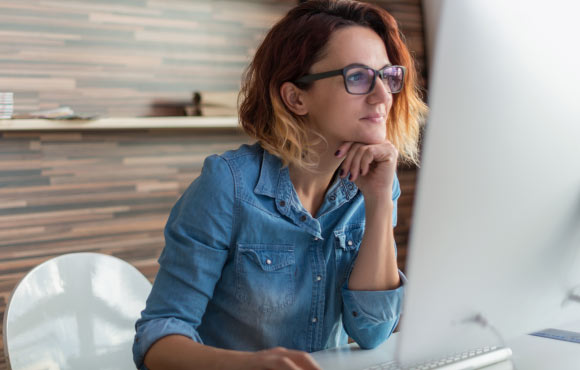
(348, 188)
(270, 172)
(274, 179)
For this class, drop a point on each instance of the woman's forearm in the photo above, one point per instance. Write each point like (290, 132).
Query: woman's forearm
(177, 352)
(376, 265)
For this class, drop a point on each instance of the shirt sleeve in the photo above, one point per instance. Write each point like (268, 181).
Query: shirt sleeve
(197, 238)
(369, 317)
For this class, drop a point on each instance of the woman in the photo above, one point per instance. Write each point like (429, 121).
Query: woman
(286, 246)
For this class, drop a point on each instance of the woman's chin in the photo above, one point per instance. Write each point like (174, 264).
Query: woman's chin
(377, 135)
(372, 139)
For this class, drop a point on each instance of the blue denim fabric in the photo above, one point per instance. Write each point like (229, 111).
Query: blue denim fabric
(246, 267)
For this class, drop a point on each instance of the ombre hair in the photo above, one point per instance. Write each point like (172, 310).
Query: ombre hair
(289, 50)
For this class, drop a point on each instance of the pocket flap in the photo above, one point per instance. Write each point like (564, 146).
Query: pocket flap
(349, 238)
(270, 257)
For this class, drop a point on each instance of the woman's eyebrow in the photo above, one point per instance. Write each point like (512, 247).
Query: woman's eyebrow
(366, 65)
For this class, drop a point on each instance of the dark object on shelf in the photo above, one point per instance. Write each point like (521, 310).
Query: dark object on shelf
(166, 108)
(195, 108)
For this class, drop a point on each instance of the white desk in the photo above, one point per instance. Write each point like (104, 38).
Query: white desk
(529, 353)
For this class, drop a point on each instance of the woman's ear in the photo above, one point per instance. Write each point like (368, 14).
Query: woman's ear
(293, 98)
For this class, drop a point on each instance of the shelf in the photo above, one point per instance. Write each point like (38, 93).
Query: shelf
(127, 123)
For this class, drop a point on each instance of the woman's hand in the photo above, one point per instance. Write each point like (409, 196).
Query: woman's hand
(371, 167)
(280, 358)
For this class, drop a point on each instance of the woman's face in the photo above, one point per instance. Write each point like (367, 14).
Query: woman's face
(332, 111)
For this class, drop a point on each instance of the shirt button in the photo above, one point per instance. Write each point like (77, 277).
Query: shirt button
(303, 218)
(318, 278)
(314, 320)
(349, 242)
(282, 203)
(316, 238)
(354, 313)
(268, 261)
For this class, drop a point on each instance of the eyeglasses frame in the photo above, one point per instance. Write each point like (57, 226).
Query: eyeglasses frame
(319, 76)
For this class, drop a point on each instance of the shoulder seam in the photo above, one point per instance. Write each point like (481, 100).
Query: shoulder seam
(235, 202)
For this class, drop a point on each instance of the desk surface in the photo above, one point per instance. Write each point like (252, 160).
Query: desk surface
(529, 353)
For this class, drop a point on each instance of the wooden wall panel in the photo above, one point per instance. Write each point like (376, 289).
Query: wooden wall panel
(141, 57)
(127, 57)
(98, 191)
(409, 15)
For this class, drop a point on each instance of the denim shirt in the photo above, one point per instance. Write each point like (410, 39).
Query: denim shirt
(246, 267)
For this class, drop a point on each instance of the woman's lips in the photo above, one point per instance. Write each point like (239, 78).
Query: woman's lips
(375, 118)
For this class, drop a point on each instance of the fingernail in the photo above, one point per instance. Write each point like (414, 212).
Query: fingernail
(337, 153)
(349, 177)
(341, 172)
(361, 171)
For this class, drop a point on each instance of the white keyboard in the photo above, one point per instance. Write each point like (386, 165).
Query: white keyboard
(472, 359)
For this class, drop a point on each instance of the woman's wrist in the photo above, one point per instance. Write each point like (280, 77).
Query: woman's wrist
(379, 202)
(231, 359)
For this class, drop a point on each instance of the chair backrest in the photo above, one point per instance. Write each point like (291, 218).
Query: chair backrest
(76, 311)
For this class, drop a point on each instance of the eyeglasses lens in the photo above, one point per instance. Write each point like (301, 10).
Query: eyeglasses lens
(359, 79)
(393, 76)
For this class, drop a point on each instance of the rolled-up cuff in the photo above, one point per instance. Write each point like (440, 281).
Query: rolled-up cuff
(368, 308)
(151, 331)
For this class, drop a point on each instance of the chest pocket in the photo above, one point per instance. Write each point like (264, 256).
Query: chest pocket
(265, 279)
(346, 244)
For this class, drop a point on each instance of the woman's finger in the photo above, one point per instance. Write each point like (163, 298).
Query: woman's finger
(355, 164)
(342, 150)
(365, 163)
(275, 362)
(280, 358)
(346, 163)
(303, 359)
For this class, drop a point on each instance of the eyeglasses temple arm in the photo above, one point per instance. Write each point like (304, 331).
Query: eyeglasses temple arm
(319, 76)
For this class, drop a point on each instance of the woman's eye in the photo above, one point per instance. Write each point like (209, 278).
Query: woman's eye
(356, 77)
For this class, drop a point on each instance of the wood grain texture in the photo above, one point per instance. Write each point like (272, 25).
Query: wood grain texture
(409, 16)
(126, 58)
(99, 191)
(138, 57)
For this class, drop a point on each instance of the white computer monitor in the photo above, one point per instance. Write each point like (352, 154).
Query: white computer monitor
(496, 224)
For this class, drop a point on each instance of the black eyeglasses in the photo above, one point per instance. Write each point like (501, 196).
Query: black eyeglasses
(360, 79)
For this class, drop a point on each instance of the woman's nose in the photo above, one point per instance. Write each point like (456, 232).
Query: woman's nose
(381, 93)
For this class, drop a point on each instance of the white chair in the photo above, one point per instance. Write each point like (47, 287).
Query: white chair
(76, 311)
